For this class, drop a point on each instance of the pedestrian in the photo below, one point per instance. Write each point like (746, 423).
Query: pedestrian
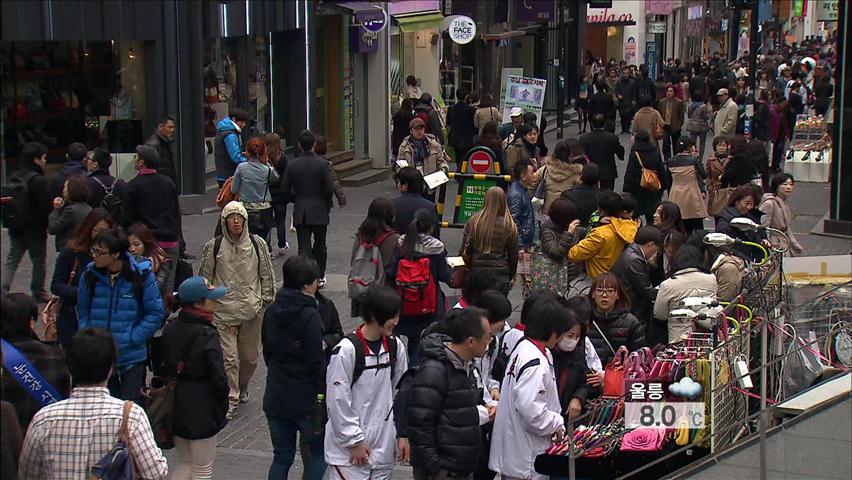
(739, 170)
(152, 199)
(648, 118)
(688, 189)
(779, 129)
(487, 112)
(238, 261)
(193, 359)
(633, 269)
(823, 93)
(698, 114)
(67, 438)
(625, 98)
(401, 120)
(69, 210)
(602, 148)
(672, 110)
(121, 295)
(520, 205)
(601, 248)
(725, 122)
(20, 314)
(418, 269)
(227, 146)
(376, 231)
(562, 171)
(717, 196)
(531, 117)
(70, 265)
(27, 226)
(278, 198)
(555, 243)
(108, 192)
(529, 415)
(361, 438)
(422, 150)
(445, 401)
(724, 265)
(585, 195)
(523, 147)
(295, 360)
(431, 119)
(308, 181)
(143, 246)
(253, 181)
(409, 183)
(644, 154)
(477, 282)
(412, 89)
(489, 137)
(690, 278)
(743, 203)
(74, 166)
(602, 103)
(490, 240)
(777, 213)
(612, 324)
(570, 369)
(161, 140)
(581, 103)
(460, 123)
(321, 148)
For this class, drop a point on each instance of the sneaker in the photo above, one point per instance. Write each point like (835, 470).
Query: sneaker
(232, 412)
(321, 282)
(244, 396)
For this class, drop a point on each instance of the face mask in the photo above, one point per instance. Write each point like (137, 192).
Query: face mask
(567, 344)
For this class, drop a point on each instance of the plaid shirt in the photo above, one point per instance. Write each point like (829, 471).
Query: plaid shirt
(65, 439)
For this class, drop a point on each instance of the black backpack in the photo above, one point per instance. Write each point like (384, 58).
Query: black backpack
(111, 202)
(361, 362)
(17, 213)
(400, 402)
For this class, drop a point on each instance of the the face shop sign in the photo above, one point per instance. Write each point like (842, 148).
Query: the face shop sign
(462, 30)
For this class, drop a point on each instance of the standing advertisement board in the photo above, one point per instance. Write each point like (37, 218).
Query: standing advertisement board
(524, 92)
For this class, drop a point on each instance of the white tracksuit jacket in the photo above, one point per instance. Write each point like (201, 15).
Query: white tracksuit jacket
(364, 411)
(528, 414)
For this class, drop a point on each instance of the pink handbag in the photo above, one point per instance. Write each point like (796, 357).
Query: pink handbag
(645, 439)
(639, 365)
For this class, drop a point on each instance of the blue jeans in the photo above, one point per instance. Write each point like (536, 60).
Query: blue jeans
(283, 434)
(128, 384)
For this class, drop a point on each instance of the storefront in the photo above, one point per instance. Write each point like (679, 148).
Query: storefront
(415, 37)
(617, 33)
(106, 78)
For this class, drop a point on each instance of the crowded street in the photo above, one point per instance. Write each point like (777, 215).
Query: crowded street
(427, 240)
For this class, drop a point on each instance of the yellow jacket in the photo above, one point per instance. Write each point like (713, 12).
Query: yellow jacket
(601, 248)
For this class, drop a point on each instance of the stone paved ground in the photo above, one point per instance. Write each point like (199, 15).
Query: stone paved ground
(244, 450)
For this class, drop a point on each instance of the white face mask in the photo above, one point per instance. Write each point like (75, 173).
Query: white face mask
(567, 344)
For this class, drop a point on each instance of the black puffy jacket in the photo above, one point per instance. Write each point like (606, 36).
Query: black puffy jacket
(571, 370)
(443, 421)
(634, 274)
(201, 393)
(621, 328)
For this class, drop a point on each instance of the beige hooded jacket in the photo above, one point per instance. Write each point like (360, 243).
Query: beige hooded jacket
(243, 267)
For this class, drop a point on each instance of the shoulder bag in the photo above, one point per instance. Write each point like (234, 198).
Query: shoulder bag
(117, 464)
(650, 180)
(54, 306)
(160, 404)
(225, 195)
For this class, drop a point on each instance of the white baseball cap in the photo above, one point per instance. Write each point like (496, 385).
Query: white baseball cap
(516, 112)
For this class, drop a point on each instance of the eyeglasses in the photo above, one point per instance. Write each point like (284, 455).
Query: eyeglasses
(96, 252)
(605, 292)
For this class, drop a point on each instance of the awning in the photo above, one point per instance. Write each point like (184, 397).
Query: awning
(421, 21)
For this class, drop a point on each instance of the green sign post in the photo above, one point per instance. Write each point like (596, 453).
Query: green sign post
(473, 198)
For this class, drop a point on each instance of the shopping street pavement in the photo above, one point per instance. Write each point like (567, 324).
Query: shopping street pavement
(244, 447)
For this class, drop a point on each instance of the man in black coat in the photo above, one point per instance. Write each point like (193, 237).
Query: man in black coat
(75, 165)
(308, 182)
(585, 195)
(603, 104)
(162, 139)
(634, 273)
(409, 182)
(602, 147)
(28, 230)
(99, 181)
(460, 125)
(442, 415)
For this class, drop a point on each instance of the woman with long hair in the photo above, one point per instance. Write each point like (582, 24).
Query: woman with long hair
(70, 265)
(562, 171)
(490, 239)
(376, 231)
(278, 198)
(253, 180)
(613, 325)
(400, 122)
(486, 112)
(143, 244)
(414, 246)
(667, 218)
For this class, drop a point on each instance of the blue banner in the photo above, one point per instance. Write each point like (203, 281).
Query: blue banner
(651, 59)
(28, 377)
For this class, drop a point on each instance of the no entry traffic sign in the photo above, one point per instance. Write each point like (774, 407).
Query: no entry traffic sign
(480, 161)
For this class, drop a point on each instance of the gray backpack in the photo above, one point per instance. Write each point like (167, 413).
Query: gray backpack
(367, 268)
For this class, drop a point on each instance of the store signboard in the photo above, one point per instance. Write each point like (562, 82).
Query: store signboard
(362, 41)
(658, 7)
(373, 21)
(651, 59)
(462, 29)
(827, 10)
(656, 27)
(606, 17)
(630, 51)
(524, 92)
(402, 7)
(534, 10)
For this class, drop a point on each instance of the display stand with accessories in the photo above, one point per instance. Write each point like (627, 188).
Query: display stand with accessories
(808, 157)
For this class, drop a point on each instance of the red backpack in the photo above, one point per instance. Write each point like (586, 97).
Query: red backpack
(416, 287)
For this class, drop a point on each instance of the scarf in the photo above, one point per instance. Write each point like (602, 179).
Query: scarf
(420, 149)
(198, 312)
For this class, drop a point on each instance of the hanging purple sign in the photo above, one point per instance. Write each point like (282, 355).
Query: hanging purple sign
(534, 10)
(361, 41)
(372, 21)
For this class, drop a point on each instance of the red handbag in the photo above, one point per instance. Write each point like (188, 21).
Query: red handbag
(614, 374)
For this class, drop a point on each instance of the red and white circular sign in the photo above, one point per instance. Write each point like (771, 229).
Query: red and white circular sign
(480, 162)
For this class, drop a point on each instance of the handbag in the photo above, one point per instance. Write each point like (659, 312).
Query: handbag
(54, 306)
(614, 373)
(160, 404)
(117, 464)
(650, 180)
(225, 195)
(717, 200)
(458, 274)
(639, 364)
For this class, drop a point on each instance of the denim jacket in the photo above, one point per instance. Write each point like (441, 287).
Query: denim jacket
(521, 207)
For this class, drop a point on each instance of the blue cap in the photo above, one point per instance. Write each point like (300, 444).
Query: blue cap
(196, 288)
